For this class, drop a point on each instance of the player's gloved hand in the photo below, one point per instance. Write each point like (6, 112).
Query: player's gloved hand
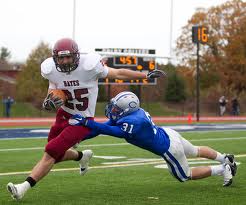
(156, 74)
(78, 120)
(51, 103)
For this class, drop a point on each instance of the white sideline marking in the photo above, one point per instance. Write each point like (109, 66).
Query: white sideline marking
(108, 166)
(120, 144)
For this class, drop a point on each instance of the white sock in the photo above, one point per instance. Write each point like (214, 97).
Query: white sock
(217, 170)
(220, 157)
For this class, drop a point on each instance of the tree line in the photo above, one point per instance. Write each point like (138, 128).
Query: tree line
(223, 61)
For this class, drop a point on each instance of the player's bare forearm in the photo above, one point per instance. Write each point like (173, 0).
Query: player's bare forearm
(125, 74)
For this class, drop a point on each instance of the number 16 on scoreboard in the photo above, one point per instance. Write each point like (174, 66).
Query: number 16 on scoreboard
(199, 34)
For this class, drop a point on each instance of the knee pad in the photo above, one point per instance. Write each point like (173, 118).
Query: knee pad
(194, 152)
(191, 150)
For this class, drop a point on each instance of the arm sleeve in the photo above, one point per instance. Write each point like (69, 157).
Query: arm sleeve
(95, 64)
(104, 128)
(47, 67)
(110, 123)
(95, 133)
(101, 69)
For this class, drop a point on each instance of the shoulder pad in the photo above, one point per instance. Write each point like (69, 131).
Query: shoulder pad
(127, 119)
(47, 66)
(91, 60)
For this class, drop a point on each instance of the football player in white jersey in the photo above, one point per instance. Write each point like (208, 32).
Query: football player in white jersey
(77, 75)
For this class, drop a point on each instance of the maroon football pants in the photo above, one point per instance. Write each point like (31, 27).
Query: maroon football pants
(63, 136)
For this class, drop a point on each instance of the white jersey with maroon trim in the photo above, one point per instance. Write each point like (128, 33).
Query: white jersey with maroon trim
(81, 85)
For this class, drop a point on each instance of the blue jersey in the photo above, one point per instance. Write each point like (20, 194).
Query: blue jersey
(136, 128)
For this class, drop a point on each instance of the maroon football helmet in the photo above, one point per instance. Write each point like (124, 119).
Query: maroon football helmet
(63, 48)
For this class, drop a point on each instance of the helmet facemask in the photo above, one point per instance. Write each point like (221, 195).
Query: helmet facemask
(112, 111)
(69, 66)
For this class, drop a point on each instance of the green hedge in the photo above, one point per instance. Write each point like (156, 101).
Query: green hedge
(28, 110)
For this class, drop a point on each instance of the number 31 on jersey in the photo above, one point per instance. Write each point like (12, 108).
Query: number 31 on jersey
(127, 128)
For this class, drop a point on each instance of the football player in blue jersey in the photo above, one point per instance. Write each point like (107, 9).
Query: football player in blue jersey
(127, 120)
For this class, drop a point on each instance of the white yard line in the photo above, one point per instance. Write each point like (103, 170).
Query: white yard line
(218, 139)
(40, 148)
(20, 149)
(109, 166)
(120, 144)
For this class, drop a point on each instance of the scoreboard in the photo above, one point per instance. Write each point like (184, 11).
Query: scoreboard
(200, 34)
(133, 59)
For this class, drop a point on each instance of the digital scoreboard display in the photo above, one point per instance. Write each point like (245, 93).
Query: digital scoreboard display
(199, 34)
(129, 61)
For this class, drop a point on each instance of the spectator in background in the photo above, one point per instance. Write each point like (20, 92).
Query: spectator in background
(235, 106)
(222, 102)
(7, 105)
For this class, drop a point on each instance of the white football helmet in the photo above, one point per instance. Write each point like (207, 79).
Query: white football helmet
(121, 105)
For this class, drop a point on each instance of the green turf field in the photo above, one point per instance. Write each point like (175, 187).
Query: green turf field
(114, 181)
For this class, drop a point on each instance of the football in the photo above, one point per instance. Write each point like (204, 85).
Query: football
(59, 93)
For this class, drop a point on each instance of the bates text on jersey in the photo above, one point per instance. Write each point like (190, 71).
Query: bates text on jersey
(68, 83)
